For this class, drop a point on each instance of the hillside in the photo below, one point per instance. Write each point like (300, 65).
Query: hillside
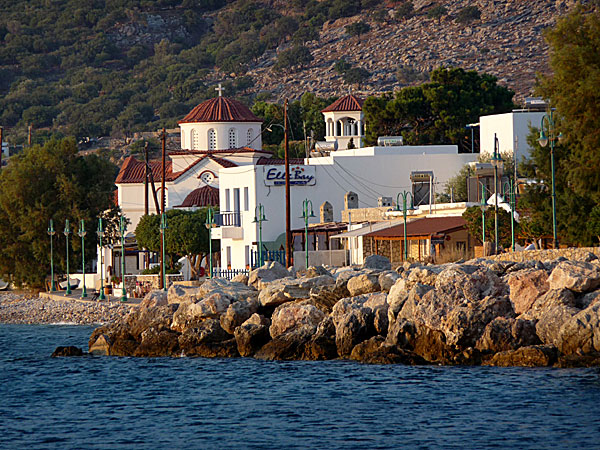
(113, 67)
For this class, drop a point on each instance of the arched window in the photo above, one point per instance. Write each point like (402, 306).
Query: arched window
(249, 136)
(232, 138)
(195, 140)
(212, 139)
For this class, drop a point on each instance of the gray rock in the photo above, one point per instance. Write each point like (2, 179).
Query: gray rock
(363, 284)
(271, 271)
(240, 278)
(190, 314)
(578, 276)
(179, 293)
(236, 291)
(581, 333)
(208, 340)
(252, 335)
(526, 287)
(322, 345)
(281, 291)
(377, 262)
(290, 316)
(237, 313)
(287, 346)
(387, 279)
(503, 334)
(353, 328)
(154, 298)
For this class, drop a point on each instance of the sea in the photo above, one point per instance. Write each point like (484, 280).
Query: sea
(196, 403)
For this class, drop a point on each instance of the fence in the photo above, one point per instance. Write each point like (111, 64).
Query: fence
(228, 219)
(267, 255)
(228, 273)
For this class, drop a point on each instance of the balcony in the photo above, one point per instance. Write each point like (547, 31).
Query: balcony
(229, 226)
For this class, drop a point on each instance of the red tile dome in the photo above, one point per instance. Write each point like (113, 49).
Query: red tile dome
(347, 103)
(203, 196)
(220, 109)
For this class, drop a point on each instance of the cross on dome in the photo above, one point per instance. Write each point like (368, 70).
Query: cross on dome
(220, 89)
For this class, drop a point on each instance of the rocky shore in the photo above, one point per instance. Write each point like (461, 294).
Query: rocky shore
(533, 313)
(22, 308)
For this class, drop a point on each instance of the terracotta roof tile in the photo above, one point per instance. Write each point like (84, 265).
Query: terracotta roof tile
(262, 161)
(422, 227)
(220, 109)
(203, 196)
(347, 103)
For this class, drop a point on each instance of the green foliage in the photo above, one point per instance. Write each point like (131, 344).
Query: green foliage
(408, 75)
(357, 28)
(186, 235)
(50, 182)
(405, 11)
(436, 112)
(296, 56)
(468, 14)
(437, 12)
(356, 75)
(474, 222)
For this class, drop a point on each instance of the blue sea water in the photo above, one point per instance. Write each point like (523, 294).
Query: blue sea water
(180, 403)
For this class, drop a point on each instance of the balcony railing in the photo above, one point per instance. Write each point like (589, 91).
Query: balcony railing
(228, 219)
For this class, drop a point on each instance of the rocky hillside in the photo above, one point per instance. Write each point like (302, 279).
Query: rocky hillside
(507, 41)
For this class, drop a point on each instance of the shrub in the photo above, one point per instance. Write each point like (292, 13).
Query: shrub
(468, 14)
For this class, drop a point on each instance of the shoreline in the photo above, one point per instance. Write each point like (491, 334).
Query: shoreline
(28, 309)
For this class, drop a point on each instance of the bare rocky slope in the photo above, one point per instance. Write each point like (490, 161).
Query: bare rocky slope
(507, 41)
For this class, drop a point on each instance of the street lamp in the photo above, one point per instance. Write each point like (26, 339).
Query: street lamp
(550, 135)
(81, 233)
(163, 228)
(405, 195)
(484, 206)
(512, 201)
(259, 218)
(210, 224)
(66, 232)
(498, 164)
(307, 213)
(100, 234)
(122, 229)
(51, 232)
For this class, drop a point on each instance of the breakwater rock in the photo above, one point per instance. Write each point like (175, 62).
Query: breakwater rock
(483, 311)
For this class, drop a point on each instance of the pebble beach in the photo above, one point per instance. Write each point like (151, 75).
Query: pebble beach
(26, 308)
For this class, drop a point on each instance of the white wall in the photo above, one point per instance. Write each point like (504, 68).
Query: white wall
(222, 134)
(508, 127)
(370, 172)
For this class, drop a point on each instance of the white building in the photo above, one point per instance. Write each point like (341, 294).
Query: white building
(218, 133)
(344, 122)
(511, 129)
(371, 173)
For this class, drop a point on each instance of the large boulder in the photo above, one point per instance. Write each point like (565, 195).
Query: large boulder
(208, 340)
(526, 287)
(179, 293)
(353, 328)
(191, 314)
(429, 344)
(99, 345)
(581, 333)
(158, 297)
(158, 342)
(237, 313)
(322, 344)
(252, 334)
(377, 262)
(69, 350)
(400, 293)
(291, 316)
(503, 334)
(287, 346)
(325, 297)
(463, 302)
(422, 275)
(376, 351)
(271, 271)
(550, 312)
(363, 284)
(281, 291)
(387, 279)
(532, 356)
(140, 319)
(234, 290)
(578, 276)
(315, 271)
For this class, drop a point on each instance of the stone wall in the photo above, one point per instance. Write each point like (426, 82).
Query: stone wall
(546, 255)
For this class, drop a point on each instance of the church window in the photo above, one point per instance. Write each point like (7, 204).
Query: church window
(195, 140)
(232, 138)
(249, 137)
(212, 139)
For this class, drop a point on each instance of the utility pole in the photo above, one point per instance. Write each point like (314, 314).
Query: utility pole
(146, 209)
(163, 137)
(29, 136)
(288, 227)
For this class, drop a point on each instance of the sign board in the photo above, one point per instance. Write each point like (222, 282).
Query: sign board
(300, 175)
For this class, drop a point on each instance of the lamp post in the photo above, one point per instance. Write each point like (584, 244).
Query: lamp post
(497, 163)
(51, 233)
(483, 206)
(307, 213)
(547, 123)
(405, 195)
(81, 233)
(259, 218)
(66, 232)
(122, 229)
(210, 224)
(512, 202)
(163, 228)
(100, 234)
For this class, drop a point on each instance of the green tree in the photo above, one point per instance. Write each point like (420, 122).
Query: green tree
(468, 14)
(358, 28)
(405, 11)
(473, 219)
(297, 56)
(437, 12)
(43, 183)
(186, 236)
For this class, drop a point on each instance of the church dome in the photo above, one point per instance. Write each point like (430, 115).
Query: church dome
(220, 109)
(347, 103)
